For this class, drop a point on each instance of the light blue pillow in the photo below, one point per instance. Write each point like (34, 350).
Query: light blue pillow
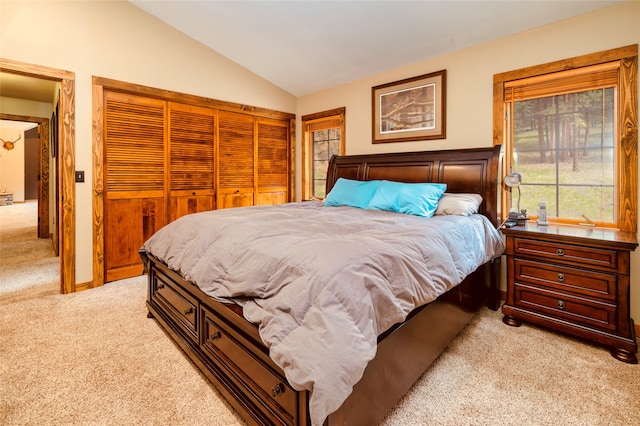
(420, 199)
(353, 193)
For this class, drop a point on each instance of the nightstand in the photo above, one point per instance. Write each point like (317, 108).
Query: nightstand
(574, 280)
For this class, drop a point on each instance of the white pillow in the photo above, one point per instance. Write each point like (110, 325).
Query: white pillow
(459, 204)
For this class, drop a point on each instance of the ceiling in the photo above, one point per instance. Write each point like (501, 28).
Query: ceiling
(22, 87)
(28, 88)
(307, 46)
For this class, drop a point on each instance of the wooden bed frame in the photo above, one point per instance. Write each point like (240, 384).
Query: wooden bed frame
(228, 349)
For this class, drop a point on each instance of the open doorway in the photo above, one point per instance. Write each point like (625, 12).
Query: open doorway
(28, 253)
(27, 171)
(66, 158)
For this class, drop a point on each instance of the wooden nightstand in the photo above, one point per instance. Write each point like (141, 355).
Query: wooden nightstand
(572, 279)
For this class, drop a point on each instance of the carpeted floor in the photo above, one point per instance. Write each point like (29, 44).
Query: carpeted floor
(28, 265)
(94, 358)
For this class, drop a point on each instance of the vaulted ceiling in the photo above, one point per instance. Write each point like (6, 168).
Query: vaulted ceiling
(307, 46)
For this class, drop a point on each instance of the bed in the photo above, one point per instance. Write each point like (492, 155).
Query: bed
(297, 361)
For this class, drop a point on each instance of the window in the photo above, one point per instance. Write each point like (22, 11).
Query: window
(323, 138)
(563, 133)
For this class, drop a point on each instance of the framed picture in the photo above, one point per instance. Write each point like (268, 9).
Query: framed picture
(413, 109)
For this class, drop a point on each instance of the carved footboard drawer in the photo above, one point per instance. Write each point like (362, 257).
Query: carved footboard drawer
(181, 306)
(250, 368)
(226, 347)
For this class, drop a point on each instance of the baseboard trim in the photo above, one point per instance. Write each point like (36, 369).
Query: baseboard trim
(84, 286)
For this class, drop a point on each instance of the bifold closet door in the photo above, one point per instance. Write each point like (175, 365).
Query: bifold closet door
(235, 163)
(272, 161)
(134, 179)
(191, 159)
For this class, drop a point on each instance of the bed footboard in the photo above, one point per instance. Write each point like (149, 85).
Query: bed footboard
(228, 350)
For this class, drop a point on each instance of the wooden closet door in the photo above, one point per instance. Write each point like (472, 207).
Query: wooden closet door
(235, 165)
(134, 179)
(273, 144)
(191, 159)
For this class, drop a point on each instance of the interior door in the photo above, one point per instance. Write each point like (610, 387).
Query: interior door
(272, 161)
(235, 160)
(31, 164)
(54, 173)
(191, 159)
(134, 179)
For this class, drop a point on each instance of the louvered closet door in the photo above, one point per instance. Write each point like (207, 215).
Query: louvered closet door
(272, 161)
(191, 160)
(134, 178)
(235, 165)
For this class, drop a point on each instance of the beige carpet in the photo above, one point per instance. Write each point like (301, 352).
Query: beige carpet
(94, 358)
(28, 265)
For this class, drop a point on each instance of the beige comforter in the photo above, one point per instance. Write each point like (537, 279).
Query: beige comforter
(324, 282)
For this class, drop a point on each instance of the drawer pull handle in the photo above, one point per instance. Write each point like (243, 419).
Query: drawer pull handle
(561, 277)
(216, 336)
(277, 390)
(188, 311)
(560, 252)
(561, 305)
(159, 286)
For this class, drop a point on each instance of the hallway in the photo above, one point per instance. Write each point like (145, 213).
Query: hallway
(28, 265)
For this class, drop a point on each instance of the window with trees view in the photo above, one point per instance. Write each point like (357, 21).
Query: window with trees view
(563, 146)
(564, 132)
(323, 138)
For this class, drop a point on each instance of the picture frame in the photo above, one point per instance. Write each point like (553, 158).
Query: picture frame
(412, 109)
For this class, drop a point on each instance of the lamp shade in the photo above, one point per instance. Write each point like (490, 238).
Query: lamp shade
(513, 180)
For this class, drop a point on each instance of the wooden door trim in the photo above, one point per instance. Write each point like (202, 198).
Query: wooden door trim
(184, 98)
(66, 157)
(98, 183)
(43, 182)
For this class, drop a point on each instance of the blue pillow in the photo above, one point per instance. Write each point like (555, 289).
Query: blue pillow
(353, 193)
(420, 199)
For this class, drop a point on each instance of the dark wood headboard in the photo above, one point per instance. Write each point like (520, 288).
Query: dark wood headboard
(473, 170)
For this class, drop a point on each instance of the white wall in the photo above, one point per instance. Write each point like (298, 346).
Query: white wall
(470, 87)
(12, 164)
(116, 40)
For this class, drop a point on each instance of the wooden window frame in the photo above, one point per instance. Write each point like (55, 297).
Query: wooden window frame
(316, 120)
(627, 173)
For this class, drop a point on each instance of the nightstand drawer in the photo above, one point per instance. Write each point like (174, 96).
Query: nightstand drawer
(562, 278)
(566, 253)
(577, 310)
